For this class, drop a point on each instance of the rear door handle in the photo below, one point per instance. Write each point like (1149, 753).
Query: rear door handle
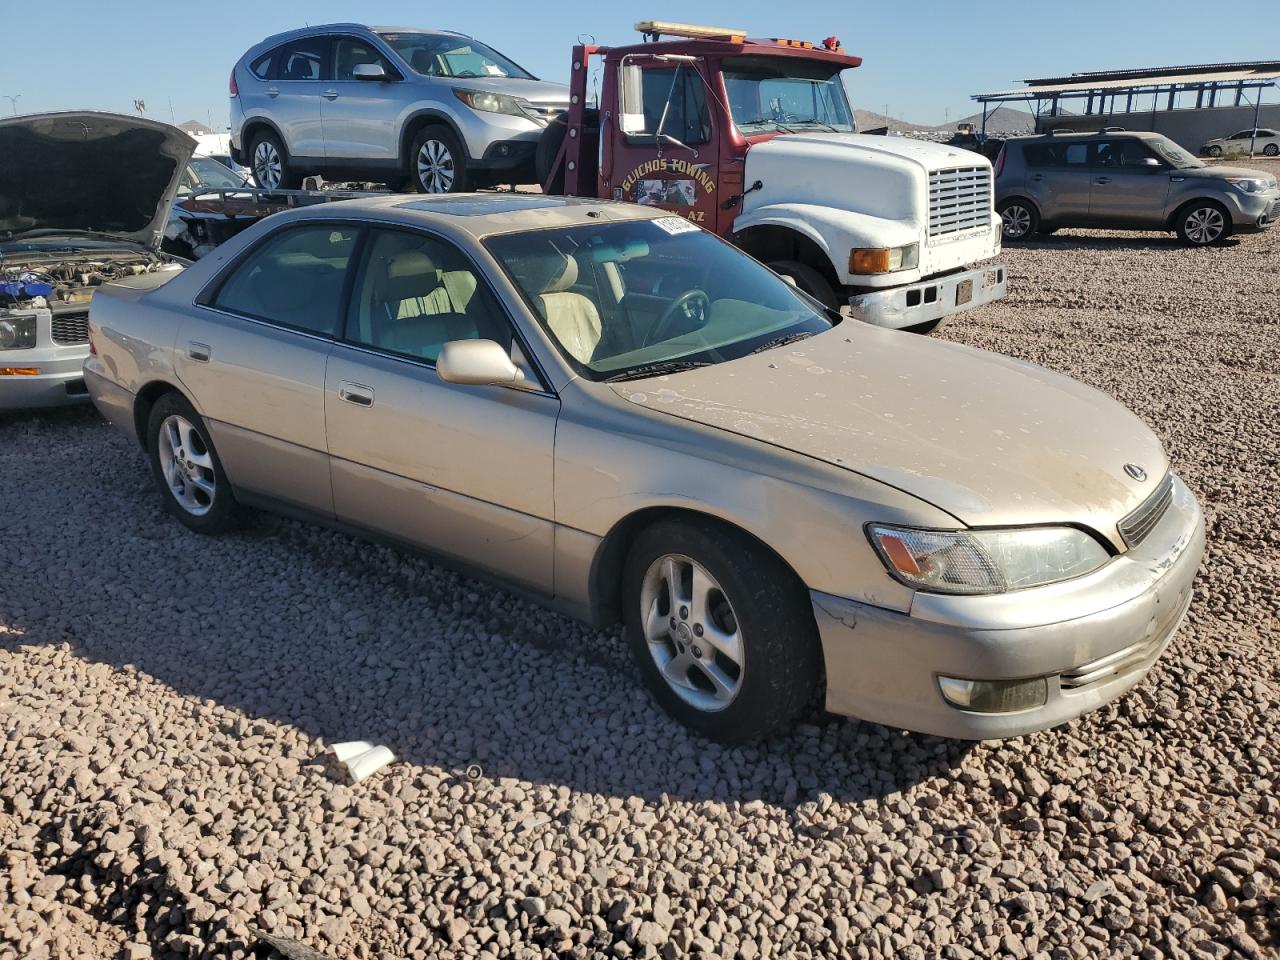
(356, 393)
(330, 94)
(1102, 180)
(1176, 179)
(198, 351)
(273, 91)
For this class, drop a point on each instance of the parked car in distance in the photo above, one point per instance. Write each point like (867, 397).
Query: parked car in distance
(613, 411)
(1240, 143)
(1126, 181)
(435, 111)
(83, 201)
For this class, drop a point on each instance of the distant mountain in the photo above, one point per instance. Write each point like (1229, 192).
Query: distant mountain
(1000, 122)
(868, 120)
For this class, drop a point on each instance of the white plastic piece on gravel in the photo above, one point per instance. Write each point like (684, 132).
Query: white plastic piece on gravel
(362, 759)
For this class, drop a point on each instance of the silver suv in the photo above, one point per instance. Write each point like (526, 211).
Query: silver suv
(1126, 181)
(433, 111)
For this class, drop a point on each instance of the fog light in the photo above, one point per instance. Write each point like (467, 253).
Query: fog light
(994, 696)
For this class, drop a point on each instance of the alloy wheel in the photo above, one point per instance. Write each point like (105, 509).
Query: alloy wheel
(1016, 221)
(435, 167)
(1205, 225)
(1271, 149)
(692, 632)
(266, 165)
(187, 465)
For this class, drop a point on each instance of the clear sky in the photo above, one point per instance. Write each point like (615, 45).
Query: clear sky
(922, 60)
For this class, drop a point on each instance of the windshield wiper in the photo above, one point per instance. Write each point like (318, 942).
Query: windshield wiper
(783, 341)
(829, 126)
(656, 369)
(777, 123)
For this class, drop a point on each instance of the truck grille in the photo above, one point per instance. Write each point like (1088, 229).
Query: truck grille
(959, 199)
(71, 328)
(1136, 526)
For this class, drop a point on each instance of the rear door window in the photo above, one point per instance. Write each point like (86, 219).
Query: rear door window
(306, 59)
(294, 278)
(1056, 154)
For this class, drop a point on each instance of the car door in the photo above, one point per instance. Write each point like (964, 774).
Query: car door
(252, 356)
(359, 115)
(1057, 179)
(462, 471)
(301, 70)
(1129, 186)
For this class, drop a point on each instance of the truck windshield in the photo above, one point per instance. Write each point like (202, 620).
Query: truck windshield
(785, 93)
(442, 55)
(644, 297)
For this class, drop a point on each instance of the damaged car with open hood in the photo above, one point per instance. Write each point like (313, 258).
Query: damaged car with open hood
(84, 198)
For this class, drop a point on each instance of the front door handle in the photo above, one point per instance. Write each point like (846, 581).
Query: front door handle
(356, 393)
(273, 91)
(1102, 180)
(198, 352)
(1038, 176)
(330, 94)
(1176, 179)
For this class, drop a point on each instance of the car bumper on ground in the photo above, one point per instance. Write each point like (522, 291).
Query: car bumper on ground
(58, 382)
(931, 299)
(1089, 640)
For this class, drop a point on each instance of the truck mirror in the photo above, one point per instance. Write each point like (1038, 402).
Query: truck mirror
(631, 116)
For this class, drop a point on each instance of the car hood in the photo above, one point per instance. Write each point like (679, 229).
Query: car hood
(102, 172)
(535, 91)
(991, 440)
(929, 155)
(1221, 172)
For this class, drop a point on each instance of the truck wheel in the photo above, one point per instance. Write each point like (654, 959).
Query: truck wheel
(1020, 219)
(925, 328)
(437, 162)
(809, 280)
(721, 630)
(1202, 223)
(270, 164)
(549, 146)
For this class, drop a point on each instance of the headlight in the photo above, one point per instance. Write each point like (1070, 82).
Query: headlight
(17, 333)
(1249, 185)
(488, 102)
(986, 561)
(884, 259)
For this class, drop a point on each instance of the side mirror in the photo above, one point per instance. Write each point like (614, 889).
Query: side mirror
(1151, 162)
(476, 363)
(369, 71)
(631, 116)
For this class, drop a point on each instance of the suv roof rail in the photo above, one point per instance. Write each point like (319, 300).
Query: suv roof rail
(1057, 130)
(1112, 130)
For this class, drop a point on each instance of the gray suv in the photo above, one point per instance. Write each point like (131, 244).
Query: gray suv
(433, 111)
(1126, 181)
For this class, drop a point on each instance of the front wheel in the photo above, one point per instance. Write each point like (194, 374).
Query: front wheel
(187, 469)
(720, 629)
(1018, 218)
(808, 279)
(1203, 224)
(1214, 151)
(438, 163)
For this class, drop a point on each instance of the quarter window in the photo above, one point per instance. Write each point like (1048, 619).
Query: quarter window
(304, 59)
(261, 68)
(674, 103)
(416, 293)
(293, 279)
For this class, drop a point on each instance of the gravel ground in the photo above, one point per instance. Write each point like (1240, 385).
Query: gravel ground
(167, 700)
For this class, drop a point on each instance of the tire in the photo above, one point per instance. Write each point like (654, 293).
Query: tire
(207, 504)
(1271, 149)
(808, 279)
(269, 164)
(1214, 152)
(549, 146)
(1202, 223)
(750, 595)
(926, 328)
(438, 163)
(1020, 219)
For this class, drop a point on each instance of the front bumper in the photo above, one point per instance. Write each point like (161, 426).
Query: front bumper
(1253, 211)
(59, 383)
(932, 298)
(1092, 639)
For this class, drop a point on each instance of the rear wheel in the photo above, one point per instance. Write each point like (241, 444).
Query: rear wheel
(1214, 151)
(187, 469)
(720, 629)
(808, 279)
(1271, 149)
(438, 164)
(1019, 219)
(1203, 223)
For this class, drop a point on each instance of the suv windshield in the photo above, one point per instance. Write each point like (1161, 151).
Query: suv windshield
(1173, 153)
(645, 297)
(772, 93)
(442, 55)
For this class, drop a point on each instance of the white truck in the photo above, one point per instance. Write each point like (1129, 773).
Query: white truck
(754, 140)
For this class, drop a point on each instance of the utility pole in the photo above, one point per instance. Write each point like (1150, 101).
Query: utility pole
(13, 102)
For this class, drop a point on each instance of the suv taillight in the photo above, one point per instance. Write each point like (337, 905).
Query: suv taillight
(1000, 163)
(235, 91)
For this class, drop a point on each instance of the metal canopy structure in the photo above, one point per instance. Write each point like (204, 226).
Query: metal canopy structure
(1107, 92)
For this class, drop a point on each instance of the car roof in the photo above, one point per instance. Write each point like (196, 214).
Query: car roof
(1089, 135)
(277, 38)
(478, 215)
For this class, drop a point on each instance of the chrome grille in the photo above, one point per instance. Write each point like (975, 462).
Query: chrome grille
(959, 199)
(71, 328)
(1113, 664)
(1136, 526)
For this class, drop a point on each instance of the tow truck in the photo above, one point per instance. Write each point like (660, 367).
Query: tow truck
(754, 139)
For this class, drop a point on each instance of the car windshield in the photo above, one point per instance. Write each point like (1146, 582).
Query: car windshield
(441, 55)
(214, 174)
(1174, 154)
(783, 93)
(643, 297)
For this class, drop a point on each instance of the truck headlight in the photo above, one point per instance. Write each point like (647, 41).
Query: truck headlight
(986, 561)
(1250, 185)
(488, 102)
(884, 259)
(17, 333)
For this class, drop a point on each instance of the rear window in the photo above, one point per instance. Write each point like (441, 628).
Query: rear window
(1056, 154)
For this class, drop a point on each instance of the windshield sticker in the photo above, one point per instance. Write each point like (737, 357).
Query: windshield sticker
(675, 225)
(666, 193)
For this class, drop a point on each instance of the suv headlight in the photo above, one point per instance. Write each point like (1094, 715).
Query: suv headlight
(487, 102)
(1250, 185)
(17, 333)
(986, 561)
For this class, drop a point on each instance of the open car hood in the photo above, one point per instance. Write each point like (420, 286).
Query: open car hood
(86, 170)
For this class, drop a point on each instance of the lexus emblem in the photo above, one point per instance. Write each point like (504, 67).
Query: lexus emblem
(1135, 471)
